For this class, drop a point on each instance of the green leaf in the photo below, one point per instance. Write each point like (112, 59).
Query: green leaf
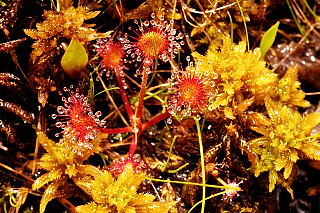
(268, 39)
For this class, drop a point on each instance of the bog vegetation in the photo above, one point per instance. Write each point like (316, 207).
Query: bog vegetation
(156, 106)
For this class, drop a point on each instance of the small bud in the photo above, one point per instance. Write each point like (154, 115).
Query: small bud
(74, 59)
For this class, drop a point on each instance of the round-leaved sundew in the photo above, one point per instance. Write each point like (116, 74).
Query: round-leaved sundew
(190, 94)
(110, 54)
(153, 40)
(76, 118)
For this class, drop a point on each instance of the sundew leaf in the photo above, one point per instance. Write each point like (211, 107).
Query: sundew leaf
(268, 39)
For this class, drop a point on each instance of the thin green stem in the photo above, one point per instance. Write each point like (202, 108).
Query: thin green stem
(192, 183)
(4, 206)
(154, 72)
(165, 85)
(150, 94)
(103, 158)
(171, 147)
(310, 10)
(231, 26)
(214, 195)
(178, 169)
(54, 6)
(245, 24)
(112, 101)
(12, 200)
(295, 18)
(203, 171)
(152, 78)
(112, 88)
(202, 123)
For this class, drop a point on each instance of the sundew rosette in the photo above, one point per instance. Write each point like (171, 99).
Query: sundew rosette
(110, 55)
(153, 40)
(80, 125)
(119, 165)
(190, 93)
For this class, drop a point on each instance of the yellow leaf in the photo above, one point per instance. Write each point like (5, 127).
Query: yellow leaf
(288, 89)
(175, 16)
(50, 193)
(273, 177)
(46, 178)
(92, 207)
(310, 121)
(287, 170)
(85, 182)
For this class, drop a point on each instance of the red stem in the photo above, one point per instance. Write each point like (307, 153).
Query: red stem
(124, 96)
(155, 119)
(138, 118)
(116, 131)
(141, 96)
(133, 145)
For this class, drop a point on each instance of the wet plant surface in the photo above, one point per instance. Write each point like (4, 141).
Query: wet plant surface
(159, 106)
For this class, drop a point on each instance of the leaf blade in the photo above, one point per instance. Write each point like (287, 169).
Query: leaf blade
(268, 39)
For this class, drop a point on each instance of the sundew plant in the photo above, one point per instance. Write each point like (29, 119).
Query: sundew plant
(157, 106)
